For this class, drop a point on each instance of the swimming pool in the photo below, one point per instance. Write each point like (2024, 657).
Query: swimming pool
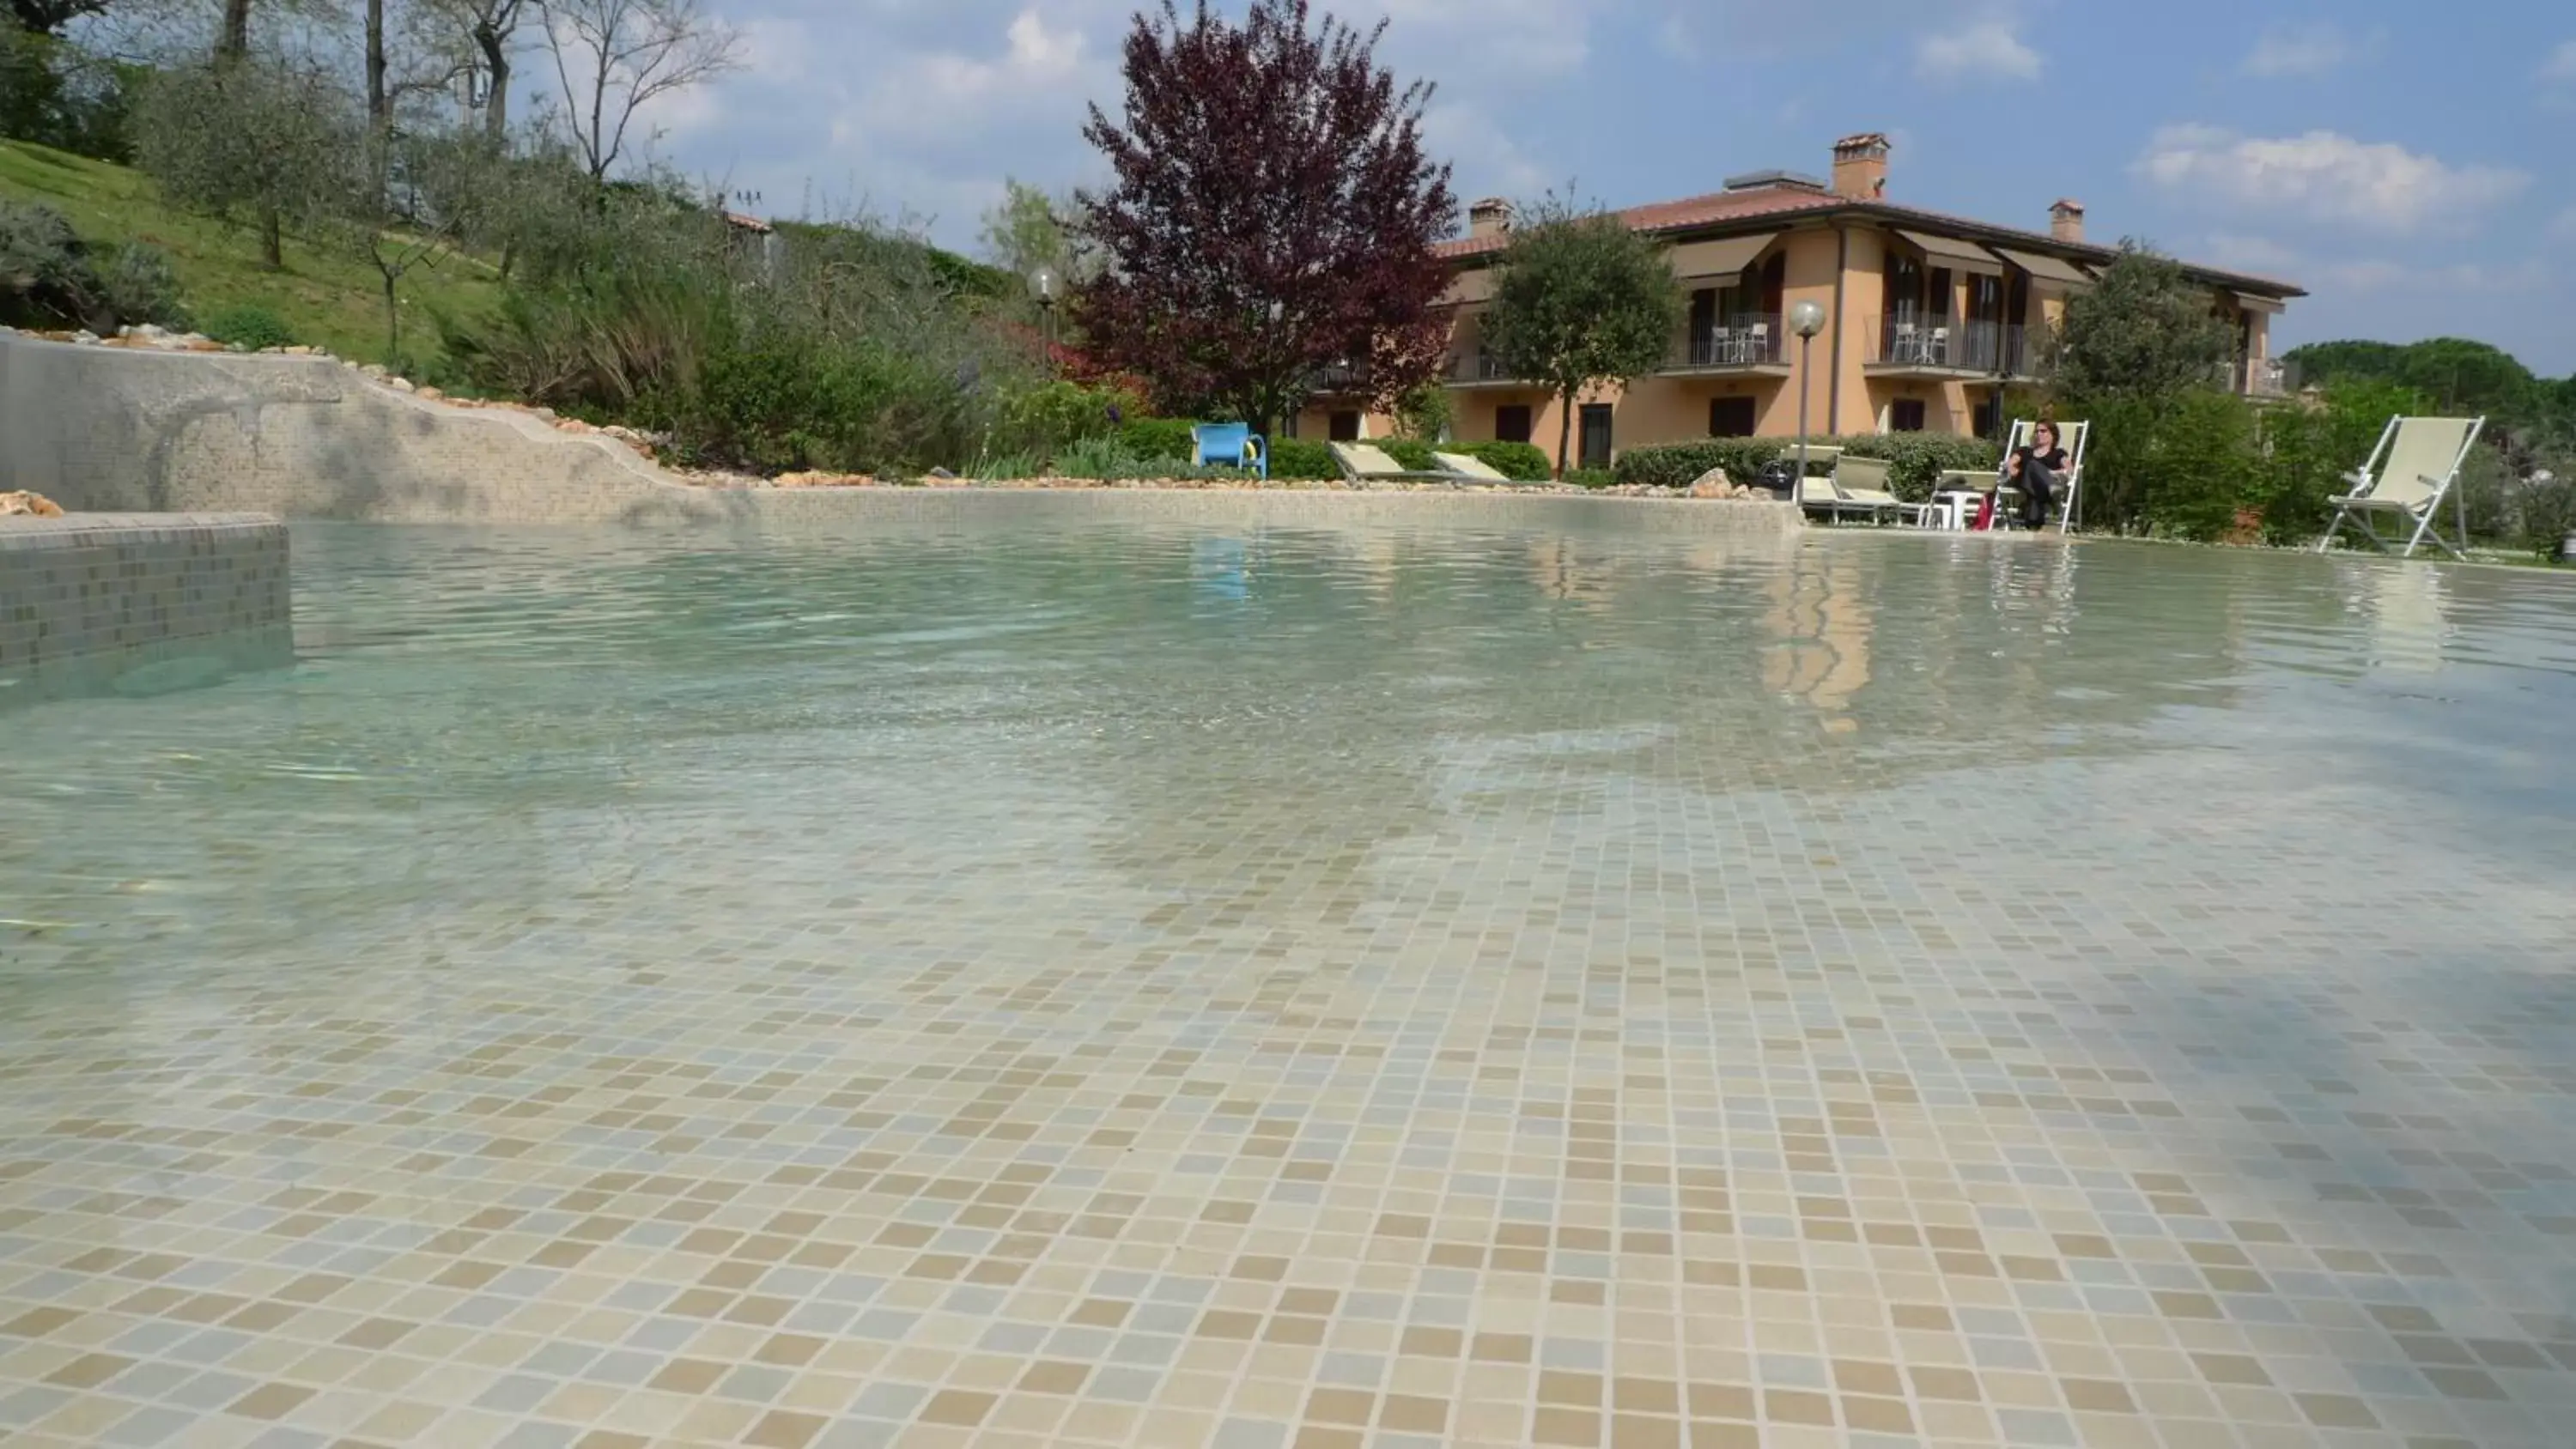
(1070, 984)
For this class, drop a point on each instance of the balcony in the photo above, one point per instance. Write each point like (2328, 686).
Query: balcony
(1942, 347)
(2263, 377)
(1479, 369)
(1755, 342)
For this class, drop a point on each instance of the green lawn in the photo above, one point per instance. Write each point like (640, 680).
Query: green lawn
(329, 301)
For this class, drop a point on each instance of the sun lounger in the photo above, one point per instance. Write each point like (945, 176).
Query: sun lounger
(1469, 466)
(1363, 464)
(2415, 468)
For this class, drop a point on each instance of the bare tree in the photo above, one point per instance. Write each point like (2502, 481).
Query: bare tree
(481, 39)
(614, 57)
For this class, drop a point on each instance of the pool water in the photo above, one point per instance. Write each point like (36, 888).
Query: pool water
(1059, 984)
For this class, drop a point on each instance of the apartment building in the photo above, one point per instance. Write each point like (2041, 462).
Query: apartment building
(1930, 317)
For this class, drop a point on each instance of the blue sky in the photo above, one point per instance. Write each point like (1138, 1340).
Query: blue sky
(2409, 164)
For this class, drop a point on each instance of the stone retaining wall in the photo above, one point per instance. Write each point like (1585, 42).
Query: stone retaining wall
(103, 429)
(79, 591)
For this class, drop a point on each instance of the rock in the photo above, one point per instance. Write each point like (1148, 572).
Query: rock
(1712, 484)
(430, 393)
(399, 384)
(202, 344)
(296, 350)
(85, 335)
(939, 473)
(35, 504)
(372, 369)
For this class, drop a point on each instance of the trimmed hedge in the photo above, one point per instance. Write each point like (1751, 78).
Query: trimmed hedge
(1300, 459)
(1915, 460)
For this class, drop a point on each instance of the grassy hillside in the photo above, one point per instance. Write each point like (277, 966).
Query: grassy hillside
(329, 301)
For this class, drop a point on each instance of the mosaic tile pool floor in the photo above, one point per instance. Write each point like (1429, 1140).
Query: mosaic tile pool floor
(1056, 986)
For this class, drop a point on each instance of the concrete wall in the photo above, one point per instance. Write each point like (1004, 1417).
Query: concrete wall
(101, 429)
(84, 588)
(115, 430)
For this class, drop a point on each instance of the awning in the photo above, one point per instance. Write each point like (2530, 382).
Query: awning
(1723, 257)
(2046, 268)
(2257, 302)
(1958, 256)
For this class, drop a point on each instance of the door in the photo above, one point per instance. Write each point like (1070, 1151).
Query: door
(1512, 423)
(1596, 436)
(1343, 426)
(1730, 417)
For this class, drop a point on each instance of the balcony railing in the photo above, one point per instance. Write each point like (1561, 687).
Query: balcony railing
(1753, 340)
(2263, 377)
(1478, 366)
(1943, 344)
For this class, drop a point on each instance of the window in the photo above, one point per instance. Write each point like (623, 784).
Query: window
(1987, 412)
(1730, 417)
(1512, 423)
(1596, 435)
(1343, 426)
(1905, 415)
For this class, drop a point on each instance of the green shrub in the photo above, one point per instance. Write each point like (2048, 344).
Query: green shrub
(1302, 460)
(2201, 465)
(1167, 438)
(1591, 477)
(1915, 460)
(1052, 416)
(45, 277)
(1410, 454)
(1678, 465)
(249, 326)
(2547, 513)
(1006, 468)
(135, 282)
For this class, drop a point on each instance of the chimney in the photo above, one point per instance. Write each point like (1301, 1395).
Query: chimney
(2066, 220)
(1860, 166)
(1489, 217)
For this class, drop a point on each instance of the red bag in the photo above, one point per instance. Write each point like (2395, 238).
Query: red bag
(1986, 513)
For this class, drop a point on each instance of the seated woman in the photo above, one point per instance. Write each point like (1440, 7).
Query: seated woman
(2033, 470)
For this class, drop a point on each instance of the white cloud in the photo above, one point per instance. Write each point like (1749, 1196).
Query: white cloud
(2315, 48)
(2563, 226)
(1985, 49)
(2561, 65)
(1459, 38)
(2326, 177)
(1484, 161)
(2254, 253)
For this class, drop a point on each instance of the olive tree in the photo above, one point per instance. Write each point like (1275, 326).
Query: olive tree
(257, 141)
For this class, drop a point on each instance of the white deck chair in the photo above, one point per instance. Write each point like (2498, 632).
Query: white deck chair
(2071, 437)
(1824, 495)
(2413, 470)
(1469, 466)
(1861, 484)
(1363, 464)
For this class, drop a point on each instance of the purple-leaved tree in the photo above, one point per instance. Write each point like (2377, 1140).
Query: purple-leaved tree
(1272, 220)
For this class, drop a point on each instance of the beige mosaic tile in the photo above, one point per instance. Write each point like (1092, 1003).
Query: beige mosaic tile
(1339, 988)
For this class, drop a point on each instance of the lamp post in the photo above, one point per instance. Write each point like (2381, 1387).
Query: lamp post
(1806, 319)
(1042, 284)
